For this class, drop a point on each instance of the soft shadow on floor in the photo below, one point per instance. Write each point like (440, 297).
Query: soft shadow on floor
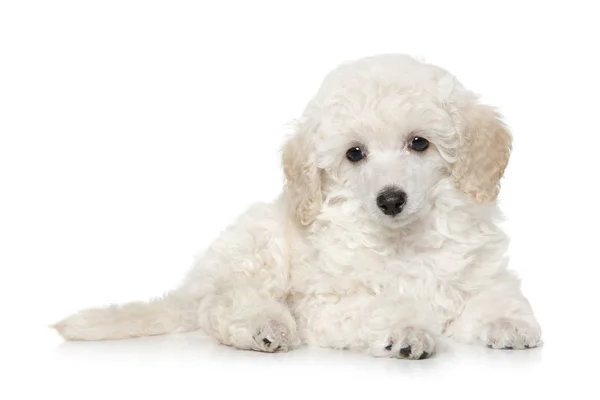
(196, 347)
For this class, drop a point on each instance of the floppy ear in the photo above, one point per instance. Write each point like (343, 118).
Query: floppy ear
(483, 153)
(302, 178)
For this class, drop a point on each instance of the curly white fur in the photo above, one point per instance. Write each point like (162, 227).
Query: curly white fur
(322, 265)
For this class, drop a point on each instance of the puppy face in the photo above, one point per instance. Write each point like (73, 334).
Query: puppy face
(384, 131)
(383, 152)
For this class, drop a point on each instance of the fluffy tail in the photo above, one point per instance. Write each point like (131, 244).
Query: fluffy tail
(165, 315)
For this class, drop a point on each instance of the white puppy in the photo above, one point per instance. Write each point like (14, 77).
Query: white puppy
(385, 236)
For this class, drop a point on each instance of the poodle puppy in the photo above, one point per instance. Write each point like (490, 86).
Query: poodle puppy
(385, 237)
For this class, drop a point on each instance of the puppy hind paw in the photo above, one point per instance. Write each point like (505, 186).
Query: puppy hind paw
(507, 334)
(273, 337)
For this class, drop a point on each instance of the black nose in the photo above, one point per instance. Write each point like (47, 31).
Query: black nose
(391, 201)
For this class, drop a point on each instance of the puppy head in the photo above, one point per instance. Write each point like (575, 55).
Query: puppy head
(383, 132)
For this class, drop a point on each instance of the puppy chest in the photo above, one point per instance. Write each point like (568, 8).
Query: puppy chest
(343, 270)
(331, 274)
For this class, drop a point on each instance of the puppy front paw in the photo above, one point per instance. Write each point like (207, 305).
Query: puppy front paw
(409, 343)
(511, 334)
(274, 336)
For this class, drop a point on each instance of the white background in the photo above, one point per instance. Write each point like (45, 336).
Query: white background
(133, 132)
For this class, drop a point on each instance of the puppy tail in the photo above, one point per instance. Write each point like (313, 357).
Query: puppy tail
(171, 313)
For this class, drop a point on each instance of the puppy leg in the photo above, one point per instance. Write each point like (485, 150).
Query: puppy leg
(499, 317)
(248, 320)
(243, 281)
(383, 327)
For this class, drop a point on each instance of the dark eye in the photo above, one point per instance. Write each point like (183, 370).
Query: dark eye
(419, 144)
(355, 154)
